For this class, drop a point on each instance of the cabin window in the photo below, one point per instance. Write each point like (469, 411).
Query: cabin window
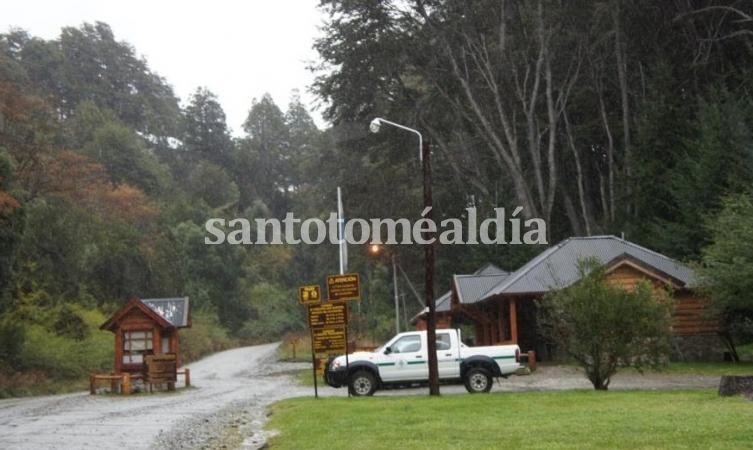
(136, 344)
(165, 344)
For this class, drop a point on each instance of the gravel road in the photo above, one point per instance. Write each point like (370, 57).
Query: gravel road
(226, 406)
(559, 378)
(223, 408)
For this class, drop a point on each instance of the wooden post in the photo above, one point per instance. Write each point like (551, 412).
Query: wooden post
(118, 350)
(532, 360)
(514, 321)
(175, 347)
(188, 377)
(501, 322)
(92, 384)
(126, 385)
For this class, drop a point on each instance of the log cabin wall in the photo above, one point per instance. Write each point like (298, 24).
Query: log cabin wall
(691, 313)
(626, 276)
(695, 333)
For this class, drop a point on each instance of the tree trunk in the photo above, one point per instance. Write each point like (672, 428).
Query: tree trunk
(610, 155)
(598, 382)
(579, 179)
(572, 215)
(622, 77)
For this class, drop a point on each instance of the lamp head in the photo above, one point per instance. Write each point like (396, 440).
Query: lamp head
(375, 125)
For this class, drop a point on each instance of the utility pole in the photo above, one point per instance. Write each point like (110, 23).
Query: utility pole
(431, 323)
(397, 295)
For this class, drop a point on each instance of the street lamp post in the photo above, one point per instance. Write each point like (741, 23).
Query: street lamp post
(376, 249)
(424, 155)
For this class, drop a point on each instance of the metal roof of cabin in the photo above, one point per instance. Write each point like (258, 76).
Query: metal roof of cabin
(471, 287)
(557, 267)
(174, 310)
(443, 303)
(489, 269)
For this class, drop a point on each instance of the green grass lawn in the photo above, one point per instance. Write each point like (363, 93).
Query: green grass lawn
(710, 368)
(551, 420)
(745, 352)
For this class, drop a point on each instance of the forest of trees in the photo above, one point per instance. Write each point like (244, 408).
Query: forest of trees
(601, 117)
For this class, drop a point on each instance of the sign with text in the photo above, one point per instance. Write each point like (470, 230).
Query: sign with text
(343, 287)
(310, 294)
(327, 315)
(329, 340)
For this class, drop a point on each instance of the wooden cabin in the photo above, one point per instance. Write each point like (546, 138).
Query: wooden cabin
(147, 327)
(501, 306)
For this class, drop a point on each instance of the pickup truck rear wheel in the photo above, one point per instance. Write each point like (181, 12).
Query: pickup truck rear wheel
(478, 380)
(362, 383)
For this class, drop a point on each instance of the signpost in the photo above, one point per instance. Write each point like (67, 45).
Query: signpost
(327, 314)
(310, 294)
(330, 339)
(328, 318)
(343, 287)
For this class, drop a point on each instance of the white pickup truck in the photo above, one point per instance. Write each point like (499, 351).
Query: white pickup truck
(403, 360)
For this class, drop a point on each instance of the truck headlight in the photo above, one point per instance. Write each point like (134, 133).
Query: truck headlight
(336, 364)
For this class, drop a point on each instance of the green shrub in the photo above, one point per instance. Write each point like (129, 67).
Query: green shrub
(604, 326)
(66, 357)
(11, 342)
(205, 336)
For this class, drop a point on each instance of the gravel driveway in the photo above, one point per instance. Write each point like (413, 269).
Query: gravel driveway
(226, 409)
(232, 389)
(558, 378)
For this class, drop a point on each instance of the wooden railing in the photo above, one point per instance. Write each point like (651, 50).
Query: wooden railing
(121, 382)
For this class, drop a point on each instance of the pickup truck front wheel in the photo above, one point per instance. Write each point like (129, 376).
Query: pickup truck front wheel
(478, 380)
(362, 383)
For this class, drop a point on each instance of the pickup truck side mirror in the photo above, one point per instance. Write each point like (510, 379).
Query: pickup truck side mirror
(388, 350)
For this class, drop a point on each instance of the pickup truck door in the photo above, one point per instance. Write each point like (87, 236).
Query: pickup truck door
(406, 360)
(448, 357)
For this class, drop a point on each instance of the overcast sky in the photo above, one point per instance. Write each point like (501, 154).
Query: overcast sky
(237, 49)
